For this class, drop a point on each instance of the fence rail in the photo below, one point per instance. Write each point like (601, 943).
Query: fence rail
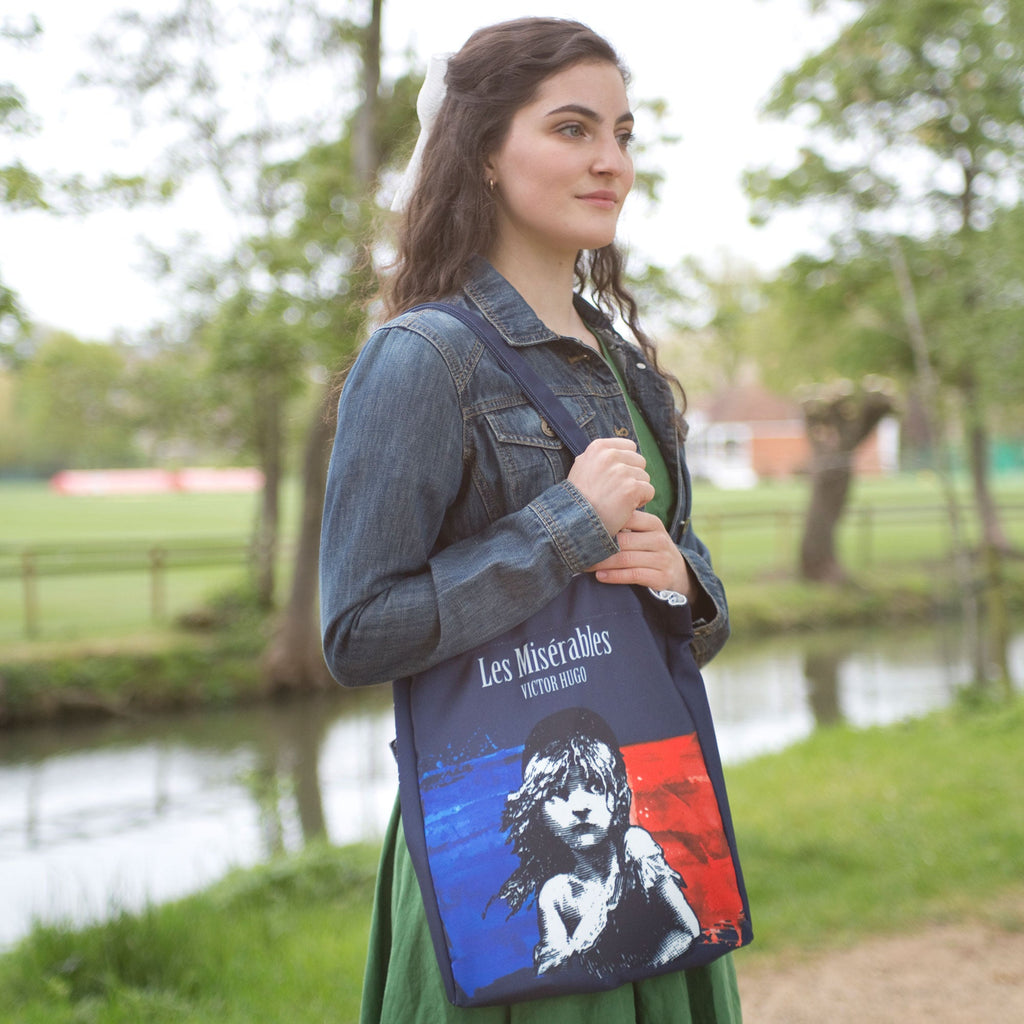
(860, 531)
(740, 541)
(32, 562)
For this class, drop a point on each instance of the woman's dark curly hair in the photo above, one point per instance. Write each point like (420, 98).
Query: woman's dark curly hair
(451, 215)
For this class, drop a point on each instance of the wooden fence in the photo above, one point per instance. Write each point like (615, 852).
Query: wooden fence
(867, 534)
(32, 562)
(742, 543)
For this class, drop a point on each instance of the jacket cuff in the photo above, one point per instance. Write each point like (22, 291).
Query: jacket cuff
(574, 527)
(710, 611)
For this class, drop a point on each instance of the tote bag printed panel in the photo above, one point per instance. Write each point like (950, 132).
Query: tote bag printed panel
(564, 813)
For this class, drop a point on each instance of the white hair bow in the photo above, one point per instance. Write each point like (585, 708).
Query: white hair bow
(428, 103)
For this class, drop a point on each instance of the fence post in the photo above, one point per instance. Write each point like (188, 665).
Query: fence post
(30, 591)
(867, 533)
(783, 518)
(157, 583)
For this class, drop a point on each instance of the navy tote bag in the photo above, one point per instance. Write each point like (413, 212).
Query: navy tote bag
(562, 793)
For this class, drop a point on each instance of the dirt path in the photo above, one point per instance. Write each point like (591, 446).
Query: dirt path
(946, 974)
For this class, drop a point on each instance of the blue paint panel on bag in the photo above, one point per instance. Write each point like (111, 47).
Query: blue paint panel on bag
(470, 861)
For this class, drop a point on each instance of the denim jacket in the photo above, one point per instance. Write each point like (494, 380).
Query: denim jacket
(448, 517)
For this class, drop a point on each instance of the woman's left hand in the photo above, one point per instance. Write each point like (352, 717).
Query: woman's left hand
(647, 557)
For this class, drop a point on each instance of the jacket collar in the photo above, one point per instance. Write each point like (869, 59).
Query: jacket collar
(509, 312)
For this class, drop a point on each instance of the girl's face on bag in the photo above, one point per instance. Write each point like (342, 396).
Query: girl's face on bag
(564, 169)
(580, 813)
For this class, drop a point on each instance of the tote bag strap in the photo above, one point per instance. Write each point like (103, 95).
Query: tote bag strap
(541, 396)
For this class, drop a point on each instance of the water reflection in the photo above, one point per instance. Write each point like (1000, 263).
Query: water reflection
(97, 817)
(101, 816)
(769, 695)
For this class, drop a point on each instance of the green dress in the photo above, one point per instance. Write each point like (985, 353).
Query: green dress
(403, 983)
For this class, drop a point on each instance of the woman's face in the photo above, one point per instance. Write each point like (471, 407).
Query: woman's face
(564, 169)
(580, 813)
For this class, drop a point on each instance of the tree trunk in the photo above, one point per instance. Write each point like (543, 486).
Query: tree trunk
(992, 531)
(365, 151)
(932, 402)
(294, 660)
(830, 486)
(267, 531)
(838, 419)
(993, 603)
(994, 664)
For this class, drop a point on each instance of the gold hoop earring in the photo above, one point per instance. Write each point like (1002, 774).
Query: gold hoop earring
(491, 183)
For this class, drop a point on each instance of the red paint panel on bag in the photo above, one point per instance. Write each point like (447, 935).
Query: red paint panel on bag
(674, 800)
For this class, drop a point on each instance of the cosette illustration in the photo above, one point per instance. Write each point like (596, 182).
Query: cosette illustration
(606, 898)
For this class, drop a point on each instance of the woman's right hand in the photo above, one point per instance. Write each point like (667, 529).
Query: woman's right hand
(611, 475)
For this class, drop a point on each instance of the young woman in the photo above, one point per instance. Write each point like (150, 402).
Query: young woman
(452, 511)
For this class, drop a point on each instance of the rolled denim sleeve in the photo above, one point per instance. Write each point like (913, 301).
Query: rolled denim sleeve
(711, 611)
(395, 597)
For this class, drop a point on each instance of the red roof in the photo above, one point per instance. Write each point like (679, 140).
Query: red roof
(750, 403)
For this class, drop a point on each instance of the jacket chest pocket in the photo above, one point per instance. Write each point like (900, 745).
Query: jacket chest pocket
(528, 455)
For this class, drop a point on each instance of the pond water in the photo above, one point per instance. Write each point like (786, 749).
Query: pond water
(104, 816)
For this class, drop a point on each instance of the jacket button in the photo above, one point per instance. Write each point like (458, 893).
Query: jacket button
(545, 428)
(622, 431)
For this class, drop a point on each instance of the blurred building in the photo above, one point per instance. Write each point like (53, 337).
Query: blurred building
(747, 433)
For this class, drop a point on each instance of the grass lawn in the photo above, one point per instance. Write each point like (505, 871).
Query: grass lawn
(34, 512)
(282, 942)
(894, 525)
(110, 605)
(899, 521)
(859, 832)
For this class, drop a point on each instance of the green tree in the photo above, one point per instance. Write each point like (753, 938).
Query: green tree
(286, 304)
(253, 367)
(785, 332)
(20, 188)
(915, 109)
(223, 81)
(174, 419)
(338, 183)
(73, 405)
(721, 327)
